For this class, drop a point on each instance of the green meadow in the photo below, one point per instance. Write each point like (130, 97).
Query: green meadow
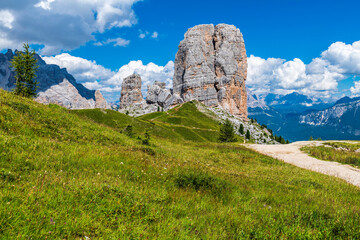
(76, 175)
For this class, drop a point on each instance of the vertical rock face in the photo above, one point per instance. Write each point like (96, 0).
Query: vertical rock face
(131, 91)
(211, 67)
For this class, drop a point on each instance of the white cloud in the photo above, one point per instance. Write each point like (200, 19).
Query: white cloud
(355, 90)
(120, 42)
(82, 69)
(97, 77)
(61, 24)
(44, 4)
(142, 35)
(318, 79)
(345, 57)
(6, 19)
(155, 35)
(149, 74)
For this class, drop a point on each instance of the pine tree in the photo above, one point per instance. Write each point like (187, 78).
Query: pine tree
(25, 66)
(227, 133)
(247, 134)
(241, 129)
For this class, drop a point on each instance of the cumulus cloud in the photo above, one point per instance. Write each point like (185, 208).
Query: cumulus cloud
(318, 79)
(355, 90)
(149, 74)
(82, 69)
(97, 77)
(61, 25)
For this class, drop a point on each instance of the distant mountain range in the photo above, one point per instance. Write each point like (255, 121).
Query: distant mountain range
(297, 117)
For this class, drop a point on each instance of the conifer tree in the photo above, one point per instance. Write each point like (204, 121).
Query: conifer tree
(247, 134)
(25, 66)
(241, 129)
(227, 133)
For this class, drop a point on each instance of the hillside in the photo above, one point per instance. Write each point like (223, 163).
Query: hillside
(179, 124)
(73, 175)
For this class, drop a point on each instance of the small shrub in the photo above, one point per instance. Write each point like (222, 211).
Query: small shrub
(202, 181)
(146, 139)
(7, 175)
(129, 131)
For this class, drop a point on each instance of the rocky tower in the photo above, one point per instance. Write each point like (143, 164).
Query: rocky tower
(211, 67)
(131, 91)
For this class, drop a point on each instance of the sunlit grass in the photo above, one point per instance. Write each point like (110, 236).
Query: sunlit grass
(64, 176)
(341, 152)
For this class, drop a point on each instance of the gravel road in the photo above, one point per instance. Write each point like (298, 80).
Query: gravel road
(292, 154)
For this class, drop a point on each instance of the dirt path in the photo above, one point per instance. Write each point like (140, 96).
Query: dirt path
(292, 154)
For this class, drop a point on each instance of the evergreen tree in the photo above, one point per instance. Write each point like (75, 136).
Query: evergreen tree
(311, 138)
(287, 142)
(227, 133)
(248, 134)
(241, 129)
(25, 66)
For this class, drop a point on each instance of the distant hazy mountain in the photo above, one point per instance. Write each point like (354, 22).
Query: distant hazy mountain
(344, 116)
(297, 117)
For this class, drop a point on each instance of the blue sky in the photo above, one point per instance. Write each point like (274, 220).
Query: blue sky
(98, 39)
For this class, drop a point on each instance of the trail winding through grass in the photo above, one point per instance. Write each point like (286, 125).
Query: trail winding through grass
(292, 154)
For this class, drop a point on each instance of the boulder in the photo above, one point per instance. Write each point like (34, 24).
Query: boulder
(158, 94)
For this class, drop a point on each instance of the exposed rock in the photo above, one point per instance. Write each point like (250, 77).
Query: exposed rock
(211, 67)
(257, 133)
(55, 85)
(100, 101)
(131, 91)
(139, 109)
(157, 94)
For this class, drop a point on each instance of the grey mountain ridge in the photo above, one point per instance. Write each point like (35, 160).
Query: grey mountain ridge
(55, 85)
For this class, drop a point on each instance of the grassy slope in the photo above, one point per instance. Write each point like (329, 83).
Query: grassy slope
(184, 122)
(63, 176)
(336, 151)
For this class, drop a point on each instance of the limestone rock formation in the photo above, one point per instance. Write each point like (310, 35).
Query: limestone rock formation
(211, 67)
(131, 91)
(158, 94)
(55, 85)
